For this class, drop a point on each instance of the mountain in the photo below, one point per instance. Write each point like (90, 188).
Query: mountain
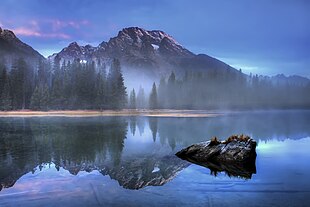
(130, 174)
(153, 53)
(133, 172)
(12, 48)
(147, 54)
(74, 52)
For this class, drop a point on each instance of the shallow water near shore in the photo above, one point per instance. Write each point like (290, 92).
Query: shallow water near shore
(130, 161)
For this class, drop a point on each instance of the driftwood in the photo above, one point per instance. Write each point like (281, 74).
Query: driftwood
(236, 155)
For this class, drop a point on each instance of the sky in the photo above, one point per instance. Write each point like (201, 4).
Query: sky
(260, 37)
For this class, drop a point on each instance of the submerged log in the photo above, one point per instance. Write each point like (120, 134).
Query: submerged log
(236, 155)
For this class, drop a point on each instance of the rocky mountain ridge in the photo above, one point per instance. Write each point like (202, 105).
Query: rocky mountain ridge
(152, 51)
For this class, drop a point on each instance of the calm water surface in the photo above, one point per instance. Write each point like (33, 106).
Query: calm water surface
(130, 161)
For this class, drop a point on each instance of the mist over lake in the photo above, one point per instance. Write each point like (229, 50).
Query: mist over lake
(130, 160)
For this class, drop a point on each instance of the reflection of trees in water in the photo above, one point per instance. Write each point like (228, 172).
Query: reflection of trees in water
(97, 143)
(260, 125)
(16, 150)
(133, 123)
(141, 124)
(81, 145)
(83, 140)
(27, 143)
(13, 135)
(153, 124)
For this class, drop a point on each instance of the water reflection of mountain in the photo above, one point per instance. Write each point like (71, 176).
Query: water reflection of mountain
(99, 143)
(135, 173)
(76, 145)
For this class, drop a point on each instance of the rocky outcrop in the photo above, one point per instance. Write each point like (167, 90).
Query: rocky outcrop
(236, 156)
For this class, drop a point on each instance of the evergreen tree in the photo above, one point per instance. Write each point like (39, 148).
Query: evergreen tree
(68, 90)
(162, 93)
(3, 77)
(85, 85)
(91, 84)
(21, 84)
(56, 89)
(42, 73)
(5, 97)
(121, 92)
(40, 98)
(153, 98)
(6, 100)
(116, 88)
(57, 100)
(132, 99)
(101, 92)
(171, 80)
(171, 92)
(35, 99)
(45, 98)
(141, 99)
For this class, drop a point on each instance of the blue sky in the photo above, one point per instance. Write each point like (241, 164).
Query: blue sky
(264, 37)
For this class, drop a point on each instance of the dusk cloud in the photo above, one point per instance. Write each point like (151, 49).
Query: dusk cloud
(21, 31)
(50, 28)
(58, 24)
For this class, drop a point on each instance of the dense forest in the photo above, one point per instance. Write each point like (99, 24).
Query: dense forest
(228, 90)
(83, 85)
(76, 85)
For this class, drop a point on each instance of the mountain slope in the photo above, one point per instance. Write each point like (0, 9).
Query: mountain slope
(12, 48)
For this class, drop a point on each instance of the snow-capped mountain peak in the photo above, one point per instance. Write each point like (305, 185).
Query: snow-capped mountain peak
(133, 45)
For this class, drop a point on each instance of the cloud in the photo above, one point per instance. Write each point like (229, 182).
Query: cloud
(59, 24)
(45, 28)
(31, 32)
(26, 32)
(42, 28)
(57, 35)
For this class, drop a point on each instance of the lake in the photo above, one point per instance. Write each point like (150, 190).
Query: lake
(130, 161)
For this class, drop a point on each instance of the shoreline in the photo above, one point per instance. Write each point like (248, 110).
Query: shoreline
(177, 113)
(124, 112)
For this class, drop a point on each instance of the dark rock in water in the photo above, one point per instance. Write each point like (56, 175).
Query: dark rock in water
(236, 156)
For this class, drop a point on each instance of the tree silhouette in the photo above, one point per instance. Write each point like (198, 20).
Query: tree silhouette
(132, 99)
(153, 98)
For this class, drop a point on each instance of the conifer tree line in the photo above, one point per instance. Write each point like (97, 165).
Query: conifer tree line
(75, 85)
(227, 90)
(137, 100)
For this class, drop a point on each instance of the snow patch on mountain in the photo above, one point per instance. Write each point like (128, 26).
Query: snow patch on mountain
(156, 47)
